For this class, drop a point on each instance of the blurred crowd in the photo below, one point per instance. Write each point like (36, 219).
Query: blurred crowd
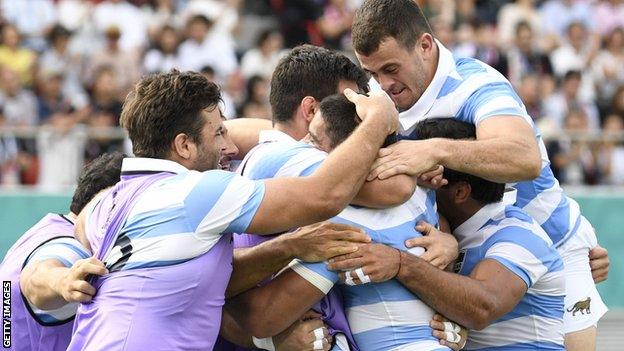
(66, 65)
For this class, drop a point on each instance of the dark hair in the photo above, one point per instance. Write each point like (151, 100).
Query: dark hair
(161, 106)
(199, 19)
(340, 118)
(482, 190)
(99, 174)
(58, 31)
(523, 25)
(251, 86)
(572, 74)
(264, 36)
(377, 20)
(310, 71)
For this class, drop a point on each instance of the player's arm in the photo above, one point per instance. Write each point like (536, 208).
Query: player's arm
(245, 133)
(268, 310)
(390, 192)
(293, 202)
(313, 243)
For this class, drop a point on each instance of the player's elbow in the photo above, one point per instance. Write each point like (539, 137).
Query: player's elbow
(263, 326)
(483, 316)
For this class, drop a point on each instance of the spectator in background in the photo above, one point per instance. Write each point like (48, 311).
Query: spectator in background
(612, 154)
(228, 108)
(511, 15)
(263, 59)
(557, 15)
(297, 21)
(617, 105)
(335, 24)
(32, 19)
(256, 104)
(443, 31)
(14, 56)
(524, 57)
(124, 62)
(609, 14)
(127, 18)
(529, 91)
(487, 51)
(57, 58)
(608, 68)
(159, 14)
(51, 99)
(19, 104)
(9, 174)
(574, 162)
(205, 47)
(164, 55)
(577, 55)
(567, 99)
(106, 95)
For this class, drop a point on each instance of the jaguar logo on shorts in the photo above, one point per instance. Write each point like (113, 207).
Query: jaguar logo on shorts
(581, 306)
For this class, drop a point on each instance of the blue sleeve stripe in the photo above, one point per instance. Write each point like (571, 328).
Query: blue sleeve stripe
(205, 195)
(519, 271)
(247, 213)
(310, 169)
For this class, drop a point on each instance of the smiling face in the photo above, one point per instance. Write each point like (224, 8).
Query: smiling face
(403, 73)
(209, 149)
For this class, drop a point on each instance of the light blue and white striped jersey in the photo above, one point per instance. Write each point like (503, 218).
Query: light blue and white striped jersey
(66, 250)
(471, 91)
(180, 217)
(381, 316)
(508, 235)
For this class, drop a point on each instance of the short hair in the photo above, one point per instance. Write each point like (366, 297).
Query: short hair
(99, 174)
(482, 190)
(310, 71)
(377, 20)
(161, 106)
(199, 19)
(523, 25)
(340, 118)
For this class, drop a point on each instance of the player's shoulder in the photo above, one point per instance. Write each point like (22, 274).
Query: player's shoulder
(516, 227)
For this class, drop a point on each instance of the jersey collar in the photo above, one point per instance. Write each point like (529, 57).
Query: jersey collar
(467, 233)
(446, 66)
(272, 135)
(143, 165)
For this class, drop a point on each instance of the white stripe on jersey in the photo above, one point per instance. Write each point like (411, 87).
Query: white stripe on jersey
(388, 313)
(514, 331)
(516, 253)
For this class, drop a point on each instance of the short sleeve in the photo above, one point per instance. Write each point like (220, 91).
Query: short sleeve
(316, 273)
(223, 202)
(65, 250)
(494, 99)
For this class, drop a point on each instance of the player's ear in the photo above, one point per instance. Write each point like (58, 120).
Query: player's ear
(182, 146)
(308, 107)
(462, 192)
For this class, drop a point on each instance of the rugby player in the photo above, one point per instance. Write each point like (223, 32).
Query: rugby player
(511, 289)
(42, 313)
(394, 42)
(164, 231)
(382, 316)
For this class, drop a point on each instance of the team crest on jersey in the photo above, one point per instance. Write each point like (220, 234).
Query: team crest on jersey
(460, 261)
(583, 306)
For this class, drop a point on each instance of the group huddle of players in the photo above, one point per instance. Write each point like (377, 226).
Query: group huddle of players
(327, 233)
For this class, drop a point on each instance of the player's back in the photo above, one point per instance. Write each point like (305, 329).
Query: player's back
(508, 235)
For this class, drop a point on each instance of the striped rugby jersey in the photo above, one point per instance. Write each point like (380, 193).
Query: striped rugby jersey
(381, 316)
(66, 250)
(472, 91)
(508, 235)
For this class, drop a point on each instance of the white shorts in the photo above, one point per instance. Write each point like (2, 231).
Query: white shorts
(580, 313)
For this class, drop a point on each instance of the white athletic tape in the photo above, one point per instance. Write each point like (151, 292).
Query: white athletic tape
(264, 343)
(364, 279)
(348, 278)
(317, 345)
(318, 333)
(452, 337)
(452, 327)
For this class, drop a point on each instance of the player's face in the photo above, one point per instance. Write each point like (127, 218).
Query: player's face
(402, 73)
(318, 133)
(228, 152)
(213, 142)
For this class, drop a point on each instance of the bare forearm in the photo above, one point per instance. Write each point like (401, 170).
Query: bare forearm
(245, 133)
(232, 332)
(501, 160)
(459, 298)
(38, 282)
(254, 264)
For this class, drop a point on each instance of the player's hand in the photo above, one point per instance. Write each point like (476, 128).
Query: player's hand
(440, 248)
(304, 334)
(376, 106)
(599, 263)
(449, 333)
(433, 179)
(375, 262)
(322, 241)
(73, 287)
(411, 157)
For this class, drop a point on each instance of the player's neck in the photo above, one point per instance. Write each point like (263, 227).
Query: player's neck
(462, 213)
(291, 129)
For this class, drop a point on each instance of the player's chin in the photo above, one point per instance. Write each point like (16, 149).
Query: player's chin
(224, 165)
